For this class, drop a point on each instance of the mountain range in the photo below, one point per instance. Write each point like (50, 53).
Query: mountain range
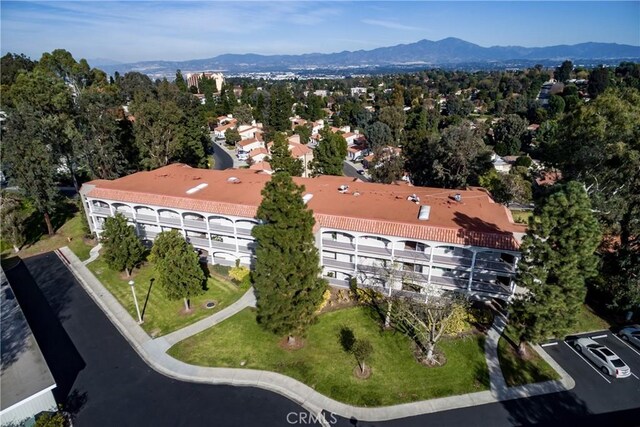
(425, 53)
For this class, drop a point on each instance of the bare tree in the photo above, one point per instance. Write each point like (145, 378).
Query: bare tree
(425, 320)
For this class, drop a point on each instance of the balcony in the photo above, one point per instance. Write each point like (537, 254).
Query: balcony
(451, 282)
(126, 214)
(195, 223)
(100, 210)
(249, 248)
(500, 266)
(366, 249)
(411, 255)
(146, 218)
(148, 234)
(223, 246)
(243, 231)
(493, 288)
(456, 261)
(334, 244)
(220, 228)
(198, 241)
(334, 263)
(170, 220)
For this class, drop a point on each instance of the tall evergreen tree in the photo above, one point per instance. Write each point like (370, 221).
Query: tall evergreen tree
(557, 257)
(329, 155)
(177, 266)
(280, 108)
(281, 159)
(122, 248)
(288, 289)
(180, 81)
(31, 162)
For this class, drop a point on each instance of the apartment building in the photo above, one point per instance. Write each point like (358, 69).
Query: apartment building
(397, 237)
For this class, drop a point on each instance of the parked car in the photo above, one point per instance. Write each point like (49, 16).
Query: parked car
(631, 334)
(605, 359)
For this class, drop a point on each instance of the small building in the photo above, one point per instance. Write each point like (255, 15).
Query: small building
(26, 383)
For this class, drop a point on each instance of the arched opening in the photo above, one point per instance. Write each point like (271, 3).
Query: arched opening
(194, 220)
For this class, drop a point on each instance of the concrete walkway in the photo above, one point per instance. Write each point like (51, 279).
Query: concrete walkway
(93, 254)
(153, 352)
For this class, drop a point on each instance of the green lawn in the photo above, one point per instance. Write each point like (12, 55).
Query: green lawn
(518, 371)
(325, 366)
(588, 321)
(162, 316)
(70, 234)
(521, 217)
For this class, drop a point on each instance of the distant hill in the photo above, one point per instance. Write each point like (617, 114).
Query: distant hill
(427, 53)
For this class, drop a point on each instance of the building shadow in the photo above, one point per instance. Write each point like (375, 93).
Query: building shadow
(61, 355)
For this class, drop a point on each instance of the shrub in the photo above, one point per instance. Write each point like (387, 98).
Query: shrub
(326, 296)
(459, 321)
(238, 274)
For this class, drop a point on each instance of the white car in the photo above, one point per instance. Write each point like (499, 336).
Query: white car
(631, 334)
(605, 359)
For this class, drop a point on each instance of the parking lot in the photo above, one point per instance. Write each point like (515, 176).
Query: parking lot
(601, 392)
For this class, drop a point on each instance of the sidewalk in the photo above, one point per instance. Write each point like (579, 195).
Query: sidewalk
(153, 352)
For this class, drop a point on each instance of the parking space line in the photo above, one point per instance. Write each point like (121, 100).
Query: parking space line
(599, 336)
(587, 362)
(627, 344)
(635, 376)
(548, 344)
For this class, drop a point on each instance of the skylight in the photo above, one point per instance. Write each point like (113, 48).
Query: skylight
(197, 188)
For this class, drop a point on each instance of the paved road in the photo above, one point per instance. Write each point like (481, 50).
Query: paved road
(221, 158)
(349, 170)
(105, 383)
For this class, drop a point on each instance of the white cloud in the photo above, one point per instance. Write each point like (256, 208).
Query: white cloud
(390, 25)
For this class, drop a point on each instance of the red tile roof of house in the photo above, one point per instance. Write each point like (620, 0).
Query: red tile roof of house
(299, 150)
(365, 207)
(258, 151)
(248, 141)
(261, 166)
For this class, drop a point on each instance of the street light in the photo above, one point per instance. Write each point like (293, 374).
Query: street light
(135, 300)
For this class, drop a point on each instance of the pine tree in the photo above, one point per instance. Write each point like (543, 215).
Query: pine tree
(288, 289)
(557, 257)
(177, 266)
(281, 159)
(122, 248)
(329, 155)
(13, 217)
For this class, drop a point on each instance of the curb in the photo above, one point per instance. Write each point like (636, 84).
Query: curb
(153, 352)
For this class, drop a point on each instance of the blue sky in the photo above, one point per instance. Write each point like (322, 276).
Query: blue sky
(180, 30)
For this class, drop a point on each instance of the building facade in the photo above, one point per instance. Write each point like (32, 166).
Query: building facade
(398, 237)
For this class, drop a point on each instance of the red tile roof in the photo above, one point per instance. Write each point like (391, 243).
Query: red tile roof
(365, 207)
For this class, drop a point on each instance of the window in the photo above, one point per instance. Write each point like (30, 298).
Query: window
(598, 354)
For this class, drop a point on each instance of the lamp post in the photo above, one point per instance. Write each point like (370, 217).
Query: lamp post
(135, 300)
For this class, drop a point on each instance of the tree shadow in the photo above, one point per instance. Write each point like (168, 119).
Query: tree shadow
(75, 401)
(550, 409)
(347, 338)
(146, 300)
(475, 224)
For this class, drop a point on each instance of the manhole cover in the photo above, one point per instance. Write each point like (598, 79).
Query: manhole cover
(210, 304)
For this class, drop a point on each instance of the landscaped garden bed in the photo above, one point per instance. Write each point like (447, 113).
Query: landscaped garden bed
(161, 315)
(323, 364)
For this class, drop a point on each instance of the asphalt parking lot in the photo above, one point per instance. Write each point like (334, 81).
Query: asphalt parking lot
(601, 392)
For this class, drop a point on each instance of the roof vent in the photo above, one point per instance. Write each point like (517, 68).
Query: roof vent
(457, 197)
(425, 210)
(343, 188)
(307, 197)
(197, 188)
(413, 198)
(356, 193)
(233, 180)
